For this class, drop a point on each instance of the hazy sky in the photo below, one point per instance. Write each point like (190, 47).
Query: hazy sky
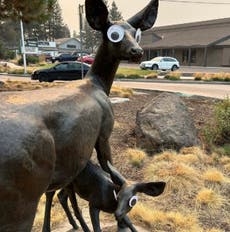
(169, 12)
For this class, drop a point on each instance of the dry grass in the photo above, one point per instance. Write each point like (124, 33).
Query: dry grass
(10, 85)
(209, 198)
(181, 179)
(173, 76)
(121, 92)
(157, 220)
(153, 75)
(213, 176)
(136, 157)
(212, 76)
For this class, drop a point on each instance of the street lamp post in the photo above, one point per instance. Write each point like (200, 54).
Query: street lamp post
(23, 44)
(81, 12)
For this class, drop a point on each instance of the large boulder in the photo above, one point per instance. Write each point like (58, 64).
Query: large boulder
(165, 123)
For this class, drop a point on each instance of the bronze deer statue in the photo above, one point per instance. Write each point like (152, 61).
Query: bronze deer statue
(95, 186)
(48, 136)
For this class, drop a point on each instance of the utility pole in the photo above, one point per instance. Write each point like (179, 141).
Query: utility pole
(81, 12)
(23, 50)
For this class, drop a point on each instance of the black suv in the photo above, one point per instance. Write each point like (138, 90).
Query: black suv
(64, 57)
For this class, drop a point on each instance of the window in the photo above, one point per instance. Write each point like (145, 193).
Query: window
(61, 67)
(193, 55)
(71, 46)
(185, 54)
(75, 66)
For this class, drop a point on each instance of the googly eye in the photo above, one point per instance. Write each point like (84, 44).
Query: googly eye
(138, 35)
(133, 200)
(115, 33)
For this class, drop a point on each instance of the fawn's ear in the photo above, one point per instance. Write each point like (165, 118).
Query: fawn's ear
(97, 14)
(146, 17)
(152, 188)
(116, 177)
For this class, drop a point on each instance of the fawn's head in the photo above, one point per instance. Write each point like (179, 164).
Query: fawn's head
(122, 38)
(126, 197)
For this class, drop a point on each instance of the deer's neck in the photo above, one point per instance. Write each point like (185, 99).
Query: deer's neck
(104, 68)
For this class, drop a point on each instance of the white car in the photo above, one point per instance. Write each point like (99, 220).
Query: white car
(162, 63)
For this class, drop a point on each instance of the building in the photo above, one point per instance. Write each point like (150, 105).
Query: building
(205, 43)
(68, 45)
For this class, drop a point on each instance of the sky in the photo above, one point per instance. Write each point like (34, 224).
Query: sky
(169, 12)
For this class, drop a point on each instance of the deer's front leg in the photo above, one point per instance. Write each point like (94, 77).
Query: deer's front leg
(94, 215)
(46, 222)
(103, 153)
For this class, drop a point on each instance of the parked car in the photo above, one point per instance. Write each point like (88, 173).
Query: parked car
(89, 59)
(69, 70)
(64, 57)
(162, 63)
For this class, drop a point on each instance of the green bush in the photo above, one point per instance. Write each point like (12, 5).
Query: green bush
(217, 132)
(120, 76)
(134, 76)
(29, 60)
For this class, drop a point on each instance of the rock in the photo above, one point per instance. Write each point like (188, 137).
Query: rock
(165, 123)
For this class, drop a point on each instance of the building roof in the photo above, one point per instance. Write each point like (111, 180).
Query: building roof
(64, 40)
(199, 34)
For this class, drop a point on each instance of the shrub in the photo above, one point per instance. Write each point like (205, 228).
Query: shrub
(120, 76)
(212, 76)
(217, 132)
(198, 76)
(134, 76)
(29, 60)
(173, 76)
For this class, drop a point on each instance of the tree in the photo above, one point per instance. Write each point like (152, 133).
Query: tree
(114, 13)
(52, 28)
(90, 37)
(27, 10)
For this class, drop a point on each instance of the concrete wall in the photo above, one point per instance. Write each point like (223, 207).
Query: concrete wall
(214, 57)
(226, 57)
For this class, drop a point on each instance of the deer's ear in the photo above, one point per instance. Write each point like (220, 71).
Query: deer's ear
(116, 177)
(96, 14)
(152, 188)
(146, 18)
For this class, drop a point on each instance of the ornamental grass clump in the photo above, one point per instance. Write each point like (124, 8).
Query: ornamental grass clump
(209, 198)
(153, 75)
(174, 76)
(136, 157)
(121, 92)
(159, 220)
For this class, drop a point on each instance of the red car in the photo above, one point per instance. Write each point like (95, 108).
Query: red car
(89, 59)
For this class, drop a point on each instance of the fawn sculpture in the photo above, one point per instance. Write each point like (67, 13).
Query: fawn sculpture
(48, 136)
(95, 186)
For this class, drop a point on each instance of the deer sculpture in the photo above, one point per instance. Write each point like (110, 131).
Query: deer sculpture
(48, 136)
(95, 186)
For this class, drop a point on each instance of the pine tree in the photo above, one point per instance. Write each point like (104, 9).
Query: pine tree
(115, 14)
(51, 29)
(28, 10)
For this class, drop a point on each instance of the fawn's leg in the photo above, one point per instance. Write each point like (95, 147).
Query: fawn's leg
(77, 212)
(94, 215)
(63, 198)
(129, 224)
